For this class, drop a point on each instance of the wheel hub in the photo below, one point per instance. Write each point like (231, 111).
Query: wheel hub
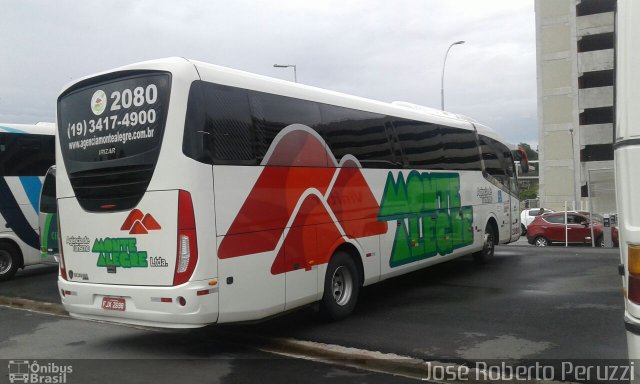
(342, 285)
(5, 262)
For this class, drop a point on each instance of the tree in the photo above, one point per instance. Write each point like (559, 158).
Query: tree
(529, 192)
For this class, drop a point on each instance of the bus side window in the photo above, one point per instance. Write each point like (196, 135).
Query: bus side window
(228, 122)
(272, 113)
(3, 149)
(218, 127)
(421, 144)
(460, 149)
(358, 133)
(26, 154)
(492, 163)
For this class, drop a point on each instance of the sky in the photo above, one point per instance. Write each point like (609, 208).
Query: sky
(378, 49)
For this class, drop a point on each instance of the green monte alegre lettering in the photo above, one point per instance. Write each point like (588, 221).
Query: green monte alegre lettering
(429, 215)
(119, 252)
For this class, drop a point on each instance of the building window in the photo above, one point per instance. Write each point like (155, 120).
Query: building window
(603, 115)
(597, 152)
(596, 42)
(592, 7)
(596, 79)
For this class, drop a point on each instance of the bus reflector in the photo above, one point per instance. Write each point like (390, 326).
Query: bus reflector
(633, 265)
(162, 300)
(187, 252)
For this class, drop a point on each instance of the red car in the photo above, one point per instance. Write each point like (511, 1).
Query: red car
(550, 228)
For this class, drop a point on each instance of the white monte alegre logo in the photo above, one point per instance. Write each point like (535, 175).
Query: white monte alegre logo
(25, 371)
(98, 102)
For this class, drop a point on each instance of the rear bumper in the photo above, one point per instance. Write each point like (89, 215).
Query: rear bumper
(143, 304)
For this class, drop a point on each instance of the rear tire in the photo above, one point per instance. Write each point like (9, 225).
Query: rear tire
(341, 288)
(523, 230)
(9, 261)
(541, 241)
(600, 242)
(488, 248)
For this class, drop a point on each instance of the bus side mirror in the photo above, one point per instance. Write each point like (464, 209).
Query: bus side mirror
(521, 155)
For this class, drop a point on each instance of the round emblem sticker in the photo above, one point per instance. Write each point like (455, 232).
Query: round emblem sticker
(98, 102)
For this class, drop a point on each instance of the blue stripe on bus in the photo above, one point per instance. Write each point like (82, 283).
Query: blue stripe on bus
(16, 221)
(12, 130)
(32, 186)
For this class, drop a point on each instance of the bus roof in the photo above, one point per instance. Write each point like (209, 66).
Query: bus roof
(241, 79)
(233, 77)
(34, 129)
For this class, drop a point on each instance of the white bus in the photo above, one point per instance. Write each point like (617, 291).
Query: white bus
(627, 157)
(26, 152)
(191, 194)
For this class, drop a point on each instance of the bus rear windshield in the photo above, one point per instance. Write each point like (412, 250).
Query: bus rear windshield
(110, 131)
(114, 119)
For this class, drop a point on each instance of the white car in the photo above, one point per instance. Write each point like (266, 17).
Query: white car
(527, 216)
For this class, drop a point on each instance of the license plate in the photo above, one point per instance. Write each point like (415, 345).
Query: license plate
(113, 303)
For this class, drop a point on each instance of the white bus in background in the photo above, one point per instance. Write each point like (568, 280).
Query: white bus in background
(191, 194)
(26, 152)
(627, 158)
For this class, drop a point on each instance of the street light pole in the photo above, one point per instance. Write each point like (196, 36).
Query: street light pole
(295, 72)
(576, 172)
(442, 78)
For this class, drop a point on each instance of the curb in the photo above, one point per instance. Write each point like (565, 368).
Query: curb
(387, 363)
(32, 305)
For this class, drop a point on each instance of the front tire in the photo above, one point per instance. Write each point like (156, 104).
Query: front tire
(341, 288)
(523, 230)
(489, 247)
(600, 242)
(9, 261)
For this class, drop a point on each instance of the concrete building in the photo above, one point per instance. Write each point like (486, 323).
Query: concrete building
(575, 66)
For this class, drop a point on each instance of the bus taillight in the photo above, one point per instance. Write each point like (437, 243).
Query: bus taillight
(633, 263)
(187, 253)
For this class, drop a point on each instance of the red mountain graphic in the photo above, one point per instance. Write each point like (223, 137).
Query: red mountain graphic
(139, 224)
(296, 162)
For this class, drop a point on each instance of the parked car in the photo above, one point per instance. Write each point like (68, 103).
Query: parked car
(527, 216)
(550, 228)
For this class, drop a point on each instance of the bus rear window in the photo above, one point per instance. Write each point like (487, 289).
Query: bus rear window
(114, 119)
(110, 129)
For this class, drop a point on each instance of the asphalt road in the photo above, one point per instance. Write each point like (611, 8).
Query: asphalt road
(528, 303)
(106, 353)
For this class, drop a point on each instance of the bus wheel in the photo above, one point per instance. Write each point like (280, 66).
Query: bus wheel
(341, 288)
(488, 249)
(9, 260)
